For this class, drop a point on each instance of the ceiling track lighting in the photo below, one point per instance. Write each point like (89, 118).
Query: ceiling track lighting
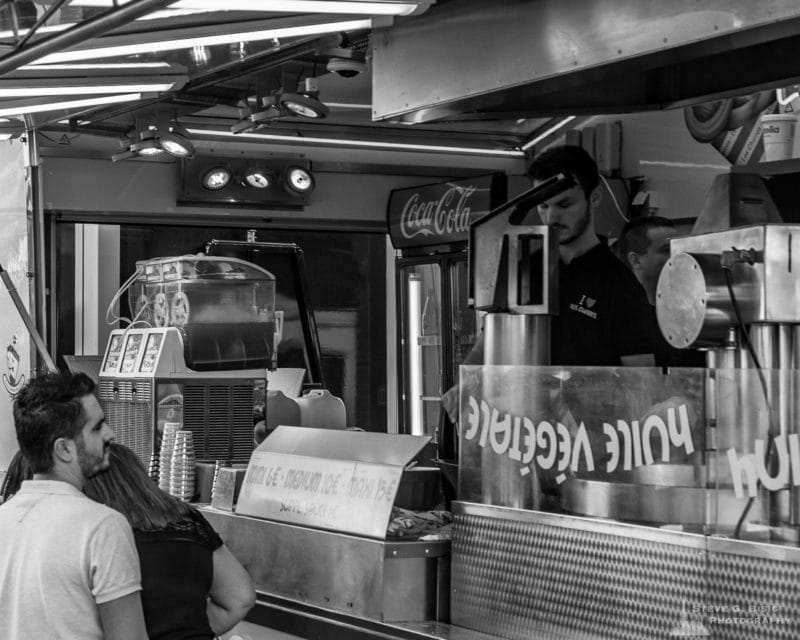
(155, 140)
(175, 141)
(302, 104)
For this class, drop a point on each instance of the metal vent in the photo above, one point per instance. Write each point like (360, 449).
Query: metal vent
(221, 418)
(129, 414)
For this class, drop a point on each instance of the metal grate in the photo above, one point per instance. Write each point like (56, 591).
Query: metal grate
(221, 419)
(739, 582)
(129, 414)
(522, 580)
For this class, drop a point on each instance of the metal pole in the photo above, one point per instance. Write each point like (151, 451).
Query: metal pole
(26, 318)
(81, 32)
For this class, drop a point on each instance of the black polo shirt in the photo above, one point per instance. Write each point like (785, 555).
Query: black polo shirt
(603, 312)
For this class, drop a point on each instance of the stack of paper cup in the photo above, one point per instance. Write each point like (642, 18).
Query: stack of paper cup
(153, 466)
(181, 477)
(165, 459)
(777, 130)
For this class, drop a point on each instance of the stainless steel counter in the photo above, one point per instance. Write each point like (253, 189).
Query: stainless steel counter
(374, 579)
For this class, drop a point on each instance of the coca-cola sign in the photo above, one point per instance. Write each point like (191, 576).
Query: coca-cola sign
(441, 213)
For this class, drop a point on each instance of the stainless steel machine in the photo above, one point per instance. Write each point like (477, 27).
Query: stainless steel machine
(736, 293)
(676, 510)
(209, 336)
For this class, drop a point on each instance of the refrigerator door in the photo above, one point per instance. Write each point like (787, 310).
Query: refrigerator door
(462, 324)
(421, 346)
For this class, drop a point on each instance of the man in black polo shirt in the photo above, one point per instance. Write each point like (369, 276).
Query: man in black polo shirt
(604, 318)
(643, 247)
(603, 314)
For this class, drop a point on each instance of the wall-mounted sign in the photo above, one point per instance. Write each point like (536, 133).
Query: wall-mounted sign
(441, 213)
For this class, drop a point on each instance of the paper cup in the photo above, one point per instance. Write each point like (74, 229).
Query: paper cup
(777, 130)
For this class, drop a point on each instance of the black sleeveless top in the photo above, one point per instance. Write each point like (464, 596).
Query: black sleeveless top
(177, 572)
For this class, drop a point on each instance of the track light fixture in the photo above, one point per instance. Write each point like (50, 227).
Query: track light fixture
(282, 183)
(298, 180)
(147, 146)
(302, 104)
(154, 140)
(216, 178)
(175, 141)
(257, 178)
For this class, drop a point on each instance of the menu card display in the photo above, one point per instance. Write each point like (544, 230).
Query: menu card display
(151, 349)
(114, 349)
(132, 349)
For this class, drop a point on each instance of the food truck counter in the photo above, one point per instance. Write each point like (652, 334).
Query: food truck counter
(530, 560)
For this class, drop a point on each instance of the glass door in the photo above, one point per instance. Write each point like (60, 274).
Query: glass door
(421, 346)
(463, 320)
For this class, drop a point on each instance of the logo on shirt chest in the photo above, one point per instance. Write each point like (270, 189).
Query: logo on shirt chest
(584, 306)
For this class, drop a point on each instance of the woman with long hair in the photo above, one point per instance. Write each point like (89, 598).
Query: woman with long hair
(18, 471)
(192, 586)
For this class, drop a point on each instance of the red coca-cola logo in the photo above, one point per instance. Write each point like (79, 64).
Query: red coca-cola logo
(447, 215)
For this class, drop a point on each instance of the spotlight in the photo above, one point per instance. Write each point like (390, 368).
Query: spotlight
(148, 145)
(154, 140)
(175, 141)
(216, 178)
(299, 180)
(284, 183)
(258, 178)
(268, 111)
(303, 104)
(298, 104)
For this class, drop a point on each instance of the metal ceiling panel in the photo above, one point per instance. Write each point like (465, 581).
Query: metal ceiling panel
(517, 58)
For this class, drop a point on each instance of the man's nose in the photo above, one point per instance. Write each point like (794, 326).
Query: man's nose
(547, 215)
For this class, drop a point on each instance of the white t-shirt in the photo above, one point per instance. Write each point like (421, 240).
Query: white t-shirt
(61, 554)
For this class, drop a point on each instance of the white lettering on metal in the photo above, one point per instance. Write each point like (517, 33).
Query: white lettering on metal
(551, 445)
(447, 215)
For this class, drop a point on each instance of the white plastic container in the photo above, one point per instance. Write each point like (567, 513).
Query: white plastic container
(318, 408)
(778, 132)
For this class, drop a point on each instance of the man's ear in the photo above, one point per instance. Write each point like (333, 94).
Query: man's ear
(62, 449)
(634, 260)
(596, 196)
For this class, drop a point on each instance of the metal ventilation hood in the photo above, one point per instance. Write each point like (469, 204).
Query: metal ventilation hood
(477, 60)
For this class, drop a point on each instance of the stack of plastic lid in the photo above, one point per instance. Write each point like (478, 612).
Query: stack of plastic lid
(165, 459)
(181, 477)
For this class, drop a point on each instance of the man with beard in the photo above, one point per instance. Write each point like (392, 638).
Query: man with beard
(603, 318)
(603, 315)
(70, 568)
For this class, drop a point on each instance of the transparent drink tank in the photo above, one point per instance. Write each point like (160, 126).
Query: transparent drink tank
(224, 309)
